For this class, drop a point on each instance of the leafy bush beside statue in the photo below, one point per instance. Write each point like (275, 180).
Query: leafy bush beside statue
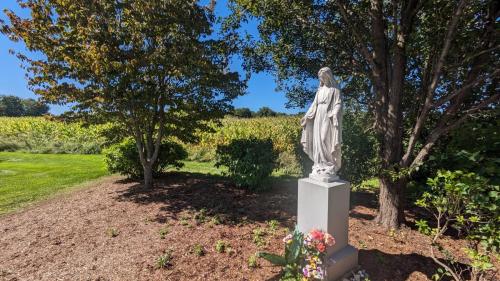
(123, 158)
(250, 162)
(359, 146)
(470, 204)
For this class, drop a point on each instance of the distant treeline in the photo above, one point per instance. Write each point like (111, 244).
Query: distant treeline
(245, 112)
(13, 106)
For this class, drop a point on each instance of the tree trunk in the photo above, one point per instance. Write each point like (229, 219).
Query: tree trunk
(391, 203)
(148, 176)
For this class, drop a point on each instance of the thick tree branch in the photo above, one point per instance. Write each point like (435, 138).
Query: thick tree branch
(443, 129)
(427, 105)
(161, 125)
(464, 88)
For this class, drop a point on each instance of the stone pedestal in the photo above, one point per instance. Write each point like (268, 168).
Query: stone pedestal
(325, 206)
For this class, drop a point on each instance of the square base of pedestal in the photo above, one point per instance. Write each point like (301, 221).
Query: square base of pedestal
(342, 262)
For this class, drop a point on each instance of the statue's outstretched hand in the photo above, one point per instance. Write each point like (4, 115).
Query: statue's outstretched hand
(303, 121)
(335, 121)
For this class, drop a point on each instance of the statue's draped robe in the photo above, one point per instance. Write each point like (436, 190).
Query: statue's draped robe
(322, 135)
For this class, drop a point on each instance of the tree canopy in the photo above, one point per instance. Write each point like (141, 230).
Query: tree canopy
(420, 67)
(155, 66)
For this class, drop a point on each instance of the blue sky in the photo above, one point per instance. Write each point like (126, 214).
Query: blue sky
(261, 87)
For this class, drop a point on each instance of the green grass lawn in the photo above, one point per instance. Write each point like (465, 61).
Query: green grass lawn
(25, 178)
(200, 167)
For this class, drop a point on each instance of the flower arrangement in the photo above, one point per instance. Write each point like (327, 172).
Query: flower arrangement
(304, 257)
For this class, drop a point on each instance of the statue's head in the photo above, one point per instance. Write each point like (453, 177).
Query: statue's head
(326, 77)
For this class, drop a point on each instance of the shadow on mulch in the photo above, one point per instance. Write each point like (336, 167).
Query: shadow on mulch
(180, 191)
(376, 263)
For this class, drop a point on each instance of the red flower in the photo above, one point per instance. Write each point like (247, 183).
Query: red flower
(321, 247)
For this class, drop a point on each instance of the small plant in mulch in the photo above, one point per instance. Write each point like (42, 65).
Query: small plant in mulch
(258, 236)
(198, 250)
(185, 221)
(201, 216)
(216, 220)
(112, 232)
(163, 232)
(362, 244)
(273, 226)
(222, 246)
(252, 261)
(359, 275)
(164, 260)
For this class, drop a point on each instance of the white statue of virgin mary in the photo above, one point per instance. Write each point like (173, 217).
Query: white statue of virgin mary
(322, 128)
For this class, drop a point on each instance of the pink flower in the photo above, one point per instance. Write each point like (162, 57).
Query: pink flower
(329, 240)
(316, 234)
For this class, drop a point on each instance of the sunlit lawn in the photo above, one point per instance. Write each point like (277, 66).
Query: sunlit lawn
(25, 178)
(200, 167)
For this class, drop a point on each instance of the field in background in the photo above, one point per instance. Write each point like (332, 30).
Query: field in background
(284, 131)
(45, 135)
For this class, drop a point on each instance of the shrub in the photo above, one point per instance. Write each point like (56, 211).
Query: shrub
(250, 162)
(283, 131)
(469, 204)
(123, 158)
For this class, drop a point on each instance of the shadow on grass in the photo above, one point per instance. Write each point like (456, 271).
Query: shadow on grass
(178, 192)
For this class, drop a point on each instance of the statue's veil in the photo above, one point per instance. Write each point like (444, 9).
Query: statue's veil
(327, 74)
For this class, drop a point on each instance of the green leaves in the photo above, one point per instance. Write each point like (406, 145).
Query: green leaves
(423, 227)
(292, 261)
(274, 259)
(294, 250)
(153, 65)
(250, 161)
(468, 203)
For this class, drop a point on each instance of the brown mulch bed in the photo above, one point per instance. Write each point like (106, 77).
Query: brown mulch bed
(68, 237)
